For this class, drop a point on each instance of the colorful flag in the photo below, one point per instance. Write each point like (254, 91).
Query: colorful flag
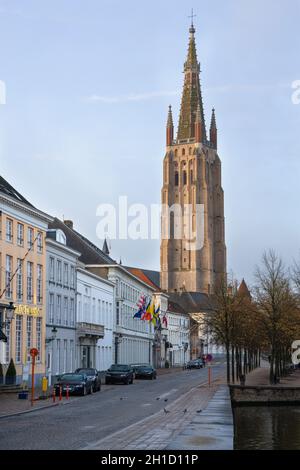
(155, 317)
(142, 308)
(149, 312)
(165, 321)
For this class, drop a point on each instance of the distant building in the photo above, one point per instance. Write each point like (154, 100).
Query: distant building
(61, 304)
(22, 279)
(178, 335)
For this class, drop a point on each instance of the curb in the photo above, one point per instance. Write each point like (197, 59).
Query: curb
(40, 408)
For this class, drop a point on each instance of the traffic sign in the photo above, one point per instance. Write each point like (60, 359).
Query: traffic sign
(34, 352)
(209, 358)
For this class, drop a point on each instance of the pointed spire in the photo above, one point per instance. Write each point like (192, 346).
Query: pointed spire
(191, 96)
(170, 128)
(243, 290)
(105, 248)
(213, 130)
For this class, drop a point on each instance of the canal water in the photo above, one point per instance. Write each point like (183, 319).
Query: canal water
(267, 428)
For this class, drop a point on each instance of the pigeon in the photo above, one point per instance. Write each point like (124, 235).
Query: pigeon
(166, 399)
(199, 411)
(166, 411)
(158, 398)
(185, 410)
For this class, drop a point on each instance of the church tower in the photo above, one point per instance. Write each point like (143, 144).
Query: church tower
(192, 178)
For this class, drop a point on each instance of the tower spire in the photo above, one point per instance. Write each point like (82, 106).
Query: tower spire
(213, 130)
(191, 96)
(170, 128)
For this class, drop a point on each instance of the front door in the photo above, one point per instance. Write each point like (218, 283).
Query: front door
(86, 357)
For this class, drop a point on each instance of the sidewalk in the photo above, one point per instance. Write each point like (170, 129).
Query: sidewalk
(260, 377)
(159, 430)
(11, 405)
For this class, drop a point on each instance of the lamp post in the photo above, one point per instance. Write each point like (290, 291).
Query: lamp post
(118, 339)
(9, 310)
(49, 354)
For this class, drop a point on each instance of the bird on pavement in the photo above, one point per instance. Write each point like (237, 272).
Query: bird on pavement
(166, 399)
(158, 398)
(166, 411)
(185, 410)
(199, 411)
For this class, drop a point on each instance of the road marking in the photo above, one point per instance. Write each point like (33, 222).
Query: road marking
(164, 395)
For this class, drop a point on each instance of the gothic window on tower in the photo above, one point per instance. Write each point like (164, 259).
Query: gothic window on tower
(176, 153)
(190, 150)
(184, 178)
(183, 152)
(192, 176)
(176, 178)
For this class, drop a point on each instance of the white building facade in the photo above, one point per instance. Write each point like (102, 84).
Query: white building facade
(133, 338)
(95, 319)
(61, 287)
(178, 332)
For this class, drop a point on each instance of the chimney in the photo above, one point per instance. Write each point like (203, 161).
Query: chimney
(69, 223)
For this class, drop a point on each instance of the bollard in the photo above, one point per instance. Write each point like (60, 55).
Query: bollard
(60, 393)
(53, 394)
(67, 393)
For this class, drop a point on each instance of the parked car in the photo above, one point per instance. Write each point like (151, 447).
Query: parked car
(78, 384)
(92, 374)
(136, 366)
(195, 364)
(145, 372)
(119, 373)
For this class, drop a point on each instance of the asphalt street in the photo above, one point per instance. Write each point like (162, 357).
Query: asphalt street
(86, 420)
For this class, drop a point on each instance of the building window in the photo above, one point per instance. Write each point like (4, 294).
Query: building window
(51, 307)
(20, 279)
(58, 310)
(8, 276)
(59, 272)
(40, 242)
(72, 312)
(118, 313)
(66, 320)
(176, 178)
(7, 344)
(184, 178)
(28, 337)
(192, 176)
(71, 354)
(39, 284)
(66, 274)
(30, 238)
(20, 234)
(183, 152)
(9, 230)
(72, 275)
(51, 269)
(38, 337)
(65, 356)
(18, 338)
(29, 281)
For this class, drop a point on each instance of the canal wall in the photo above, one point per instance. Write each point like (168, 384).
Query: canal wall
(264, 395)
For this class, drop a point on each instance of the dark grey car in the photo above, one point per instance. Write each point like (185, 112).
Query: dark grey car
(119, 373)
(93, 375)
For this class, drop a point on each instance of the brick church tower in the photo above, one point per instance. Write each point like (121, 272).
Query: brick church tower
(192, 176)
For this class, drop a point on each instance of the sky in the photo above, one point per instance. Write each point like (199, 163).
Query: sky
(88, 84)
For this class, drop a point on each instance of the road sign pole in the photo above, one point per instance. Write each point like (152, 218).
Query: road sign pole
(32, 380)
(209, 375)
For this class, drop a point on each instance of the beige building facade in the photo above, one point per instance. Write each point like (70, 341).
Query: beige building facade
(22, 280)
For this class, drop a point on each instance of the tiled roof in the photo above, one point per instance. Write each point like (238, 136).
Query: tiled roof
(142, 275)
(8, 190)
(90, 253)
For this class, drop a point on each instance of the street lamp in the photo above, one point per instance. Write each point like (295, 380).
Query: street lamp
(54, 333)
(9, 313)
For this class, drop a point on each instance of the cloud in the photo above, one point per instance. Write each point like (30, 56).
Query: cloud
(131, 97)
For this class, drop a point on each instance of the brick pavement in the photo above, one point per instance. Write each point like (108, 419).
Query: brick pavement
(158, 430)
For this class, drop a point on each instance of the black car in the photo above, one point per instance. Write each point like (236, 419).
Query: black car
(145, 372)
(135, 367)
(77, 384)
(119, 373)
(92, 374)
(195, 364)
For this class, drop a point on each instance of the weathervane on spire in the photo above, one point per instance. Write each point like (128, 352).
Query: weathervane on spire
(192, 28)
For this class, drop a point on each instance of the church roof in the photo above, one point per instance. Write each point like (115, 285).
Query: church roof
(192, 302)
(191, 96)
(145, 276)
(243, 289)
(9, 190)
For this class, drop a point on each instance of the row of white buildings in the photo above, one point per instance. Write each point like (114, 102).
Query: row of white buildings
(91, 302)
